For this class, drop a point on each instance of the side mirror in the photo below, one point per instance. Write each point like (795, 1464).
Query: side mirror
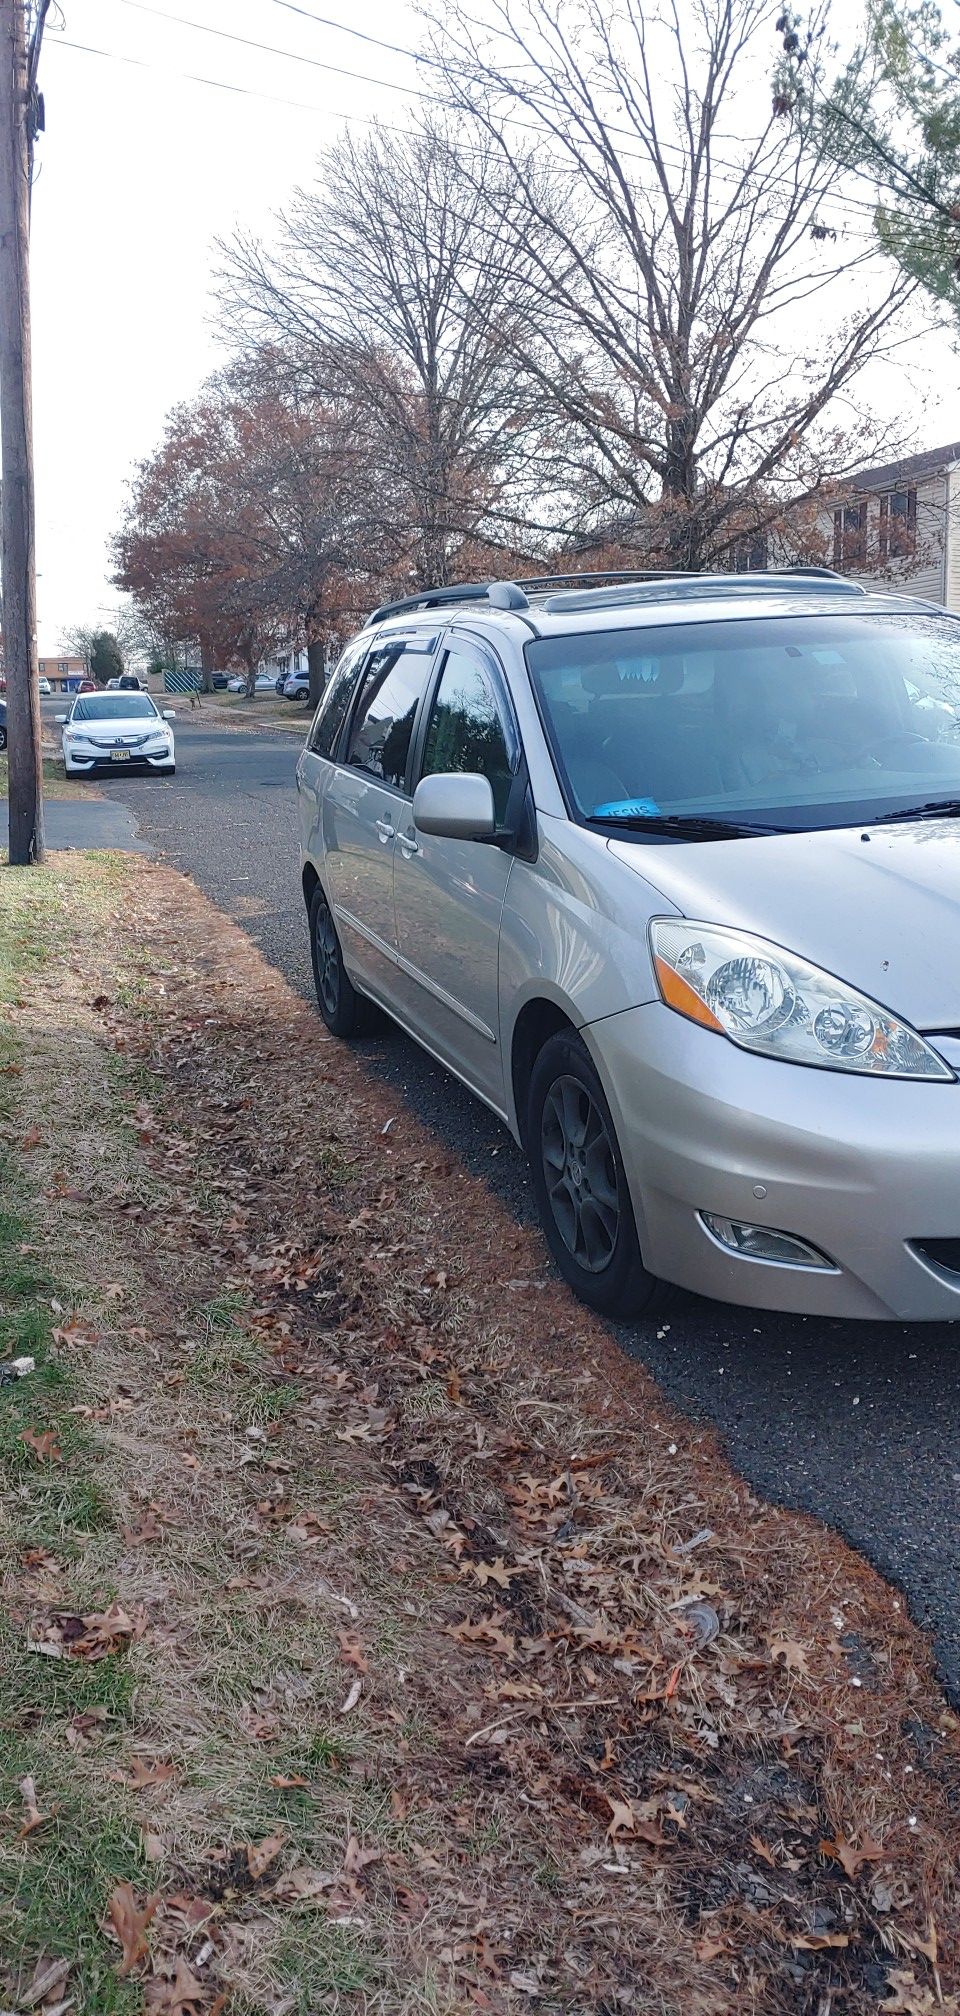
(60, 717)
(456, 806)
(169, 714)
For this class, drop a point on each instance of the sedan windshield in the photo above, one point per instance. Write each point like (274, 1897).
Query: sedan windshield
(113, 707)
(787, 722)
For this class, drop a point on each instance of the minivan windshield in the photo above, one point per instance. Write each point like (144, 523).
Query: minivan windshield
(112, 707)
(786, 722)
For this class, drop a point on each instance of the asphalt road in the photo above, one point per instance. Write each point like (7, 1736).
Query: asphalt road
(856, 1423)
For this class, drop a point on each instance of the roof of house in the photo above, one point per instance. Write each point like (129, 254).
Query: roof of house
(909, 468)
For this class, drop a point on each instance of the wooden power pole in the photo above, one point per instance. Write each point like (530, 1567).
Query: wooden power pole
(19, 121)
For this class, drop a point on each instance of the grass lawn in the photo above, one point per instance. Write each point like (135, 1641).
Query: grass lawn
(374, 1642)
(262, 707)
(55, 784)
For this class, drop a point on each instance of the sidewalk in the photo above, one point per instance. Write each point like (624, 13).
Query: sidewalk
(86, 823)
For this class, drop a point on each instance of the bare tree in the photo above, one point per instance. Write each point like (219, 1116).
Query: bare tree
(396, 282)
(675, 308)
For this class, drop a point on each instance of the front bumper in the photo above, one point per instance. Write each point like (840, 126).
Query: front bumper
(80, 763)
(859, 1167)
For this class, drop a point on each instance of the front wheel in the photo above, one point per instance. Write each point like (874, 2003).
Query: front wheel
(580, 1183)
(344, 1011)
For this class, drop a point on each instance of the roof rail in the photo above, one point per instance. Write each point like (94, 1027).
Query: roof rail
(693, 587)
(610, 583)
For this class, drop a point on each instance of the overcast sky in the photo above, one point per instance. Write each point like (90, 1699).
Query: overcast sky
(140, 169)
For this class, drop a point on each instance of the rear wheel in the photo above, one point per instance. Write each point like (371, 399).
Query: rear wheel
(344, 1011)
(581, 1185)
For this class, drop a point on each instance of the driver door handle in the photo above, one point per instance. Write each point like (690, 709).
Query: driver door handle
(385, 830)
(408, 845)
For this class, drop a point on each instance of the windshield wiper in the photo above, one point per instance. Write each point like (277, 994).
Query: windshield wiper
(935, 808)
(686, 825)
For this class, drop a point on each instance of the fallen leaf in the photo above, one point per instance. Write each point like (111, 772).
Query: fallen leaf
(184, 1995)
(300, 1886)
(491, 1571)
(34, 1819)
(792, 1653)
(32, 1138)
(353, 1696)
(763, 1849)
(850, 1857)
(352, 1650)
(148, 1529)
(47, 1976)
(260, 1854)
(907, 1997)
(143, 1771)
(356, 1859)
(708, 1949)
(486, 1633)
(129, 1921)
(281, 1784)
(46, 1447)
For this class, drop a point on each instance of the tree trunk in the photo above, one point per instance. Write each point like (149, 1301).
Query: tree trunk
(317, 668)
(207, 667)
(19, 578)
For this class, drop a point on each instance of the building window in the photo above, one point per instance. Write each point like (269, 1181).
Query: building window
(898, 524)
(63, 667)
(849, 535)
(283, 664)
(749, 554)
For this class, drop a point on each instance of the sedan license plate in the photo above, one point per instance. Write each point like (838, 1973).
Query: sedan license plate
(119, 755)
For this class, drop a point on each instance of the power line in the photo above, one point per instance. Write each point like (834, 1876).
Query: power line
(270, 49)
(274, 98)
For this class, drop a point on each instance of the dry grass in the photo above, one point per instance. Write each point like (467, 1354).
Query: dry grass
(619, 1736)
(55, 783)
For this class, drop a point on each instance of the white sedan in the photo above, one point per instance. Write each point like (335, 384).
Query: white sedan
(263, 683)
(104, 731)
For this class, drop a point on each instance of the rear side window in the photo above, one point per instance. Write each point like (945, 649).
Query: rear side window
(386, 711)
(333, 708)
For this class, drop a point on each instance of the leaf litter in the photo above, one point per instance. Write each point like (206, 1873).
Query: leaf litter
(601, 1683)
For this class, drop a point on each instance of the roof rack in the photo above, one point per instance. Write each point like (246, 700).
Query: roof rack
(611, 584)
(699, 587)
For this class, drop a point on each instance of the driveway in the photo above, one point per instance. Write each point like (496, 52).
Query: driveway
(858, 1424)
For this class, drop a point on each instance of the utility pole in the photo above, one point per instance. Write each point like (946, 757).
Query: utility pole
(21, 117)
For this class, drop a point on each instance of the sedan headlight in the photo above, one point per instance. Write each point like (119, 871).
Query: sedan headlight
(776, 1004)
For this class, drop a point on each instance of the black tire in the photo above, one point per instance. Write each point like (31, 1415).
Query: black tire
(580, 1183)
(3, 738)
(345, 1012)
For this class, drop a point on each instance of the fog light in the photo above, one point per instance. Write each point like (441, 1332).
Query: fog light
(759, 1242)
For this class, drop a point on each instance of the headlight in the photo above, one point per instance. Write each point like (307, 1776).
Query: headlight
(774, 1003)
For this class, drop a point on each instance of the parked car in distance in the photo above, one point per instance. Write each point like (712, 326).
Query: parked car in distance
(103, 731)
(263, 683)
(45, 687)
(668, 873)
(86, 686)
(296, 686)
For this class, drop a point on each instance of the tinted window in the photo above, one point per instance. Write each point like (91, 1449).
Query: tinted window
(112, 707)
(467, 730)
(380, 737)
(332, 711)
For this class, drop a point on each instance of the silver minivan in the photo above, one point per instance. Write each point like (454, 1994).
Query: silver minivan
(667, 871)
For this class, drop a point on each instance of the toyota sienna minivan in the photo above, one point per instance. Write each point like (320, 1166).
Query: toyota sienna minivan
(667, 871)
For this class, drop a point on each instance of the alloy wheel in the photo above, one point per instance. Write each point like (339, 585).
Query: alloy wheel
(328, 960)
(580, 1173)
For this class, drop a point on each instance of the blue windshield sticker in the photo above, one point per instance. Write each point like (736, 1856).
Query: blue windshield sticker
(626, 808)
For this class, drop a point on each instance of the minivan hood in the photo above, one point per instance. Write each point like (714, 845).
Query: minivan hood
(878, 906)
